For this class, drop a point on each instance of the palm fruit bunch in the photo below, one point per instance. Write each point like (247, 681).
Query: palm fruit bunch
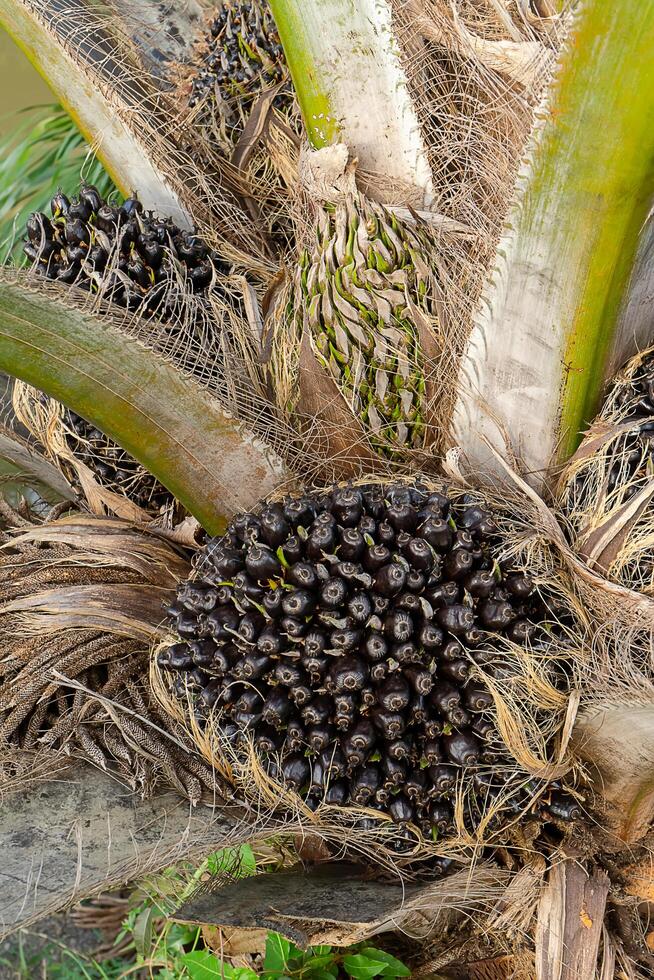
(606, 490)
(139, 261)
(363, 316)
(112, 466)
(340, 632)
(242, 57)
(126, 254)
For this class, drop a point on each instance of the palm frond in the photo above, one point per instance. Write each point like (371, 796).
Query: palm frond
(107, 369)
(549, 332)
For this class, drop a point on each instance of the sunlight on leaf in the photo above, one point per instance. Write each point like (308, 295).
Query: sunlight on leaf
(236, 861)
(203, 965)
(278, 950)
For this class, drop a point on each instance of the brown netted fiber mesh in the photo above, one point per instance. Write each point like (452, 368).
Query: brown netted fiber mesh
(237, 99)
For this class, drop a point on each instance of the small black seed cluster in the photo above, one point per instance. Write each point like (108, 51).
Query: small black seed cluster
(131, 257)
(113, 467)
(243, 57)
(636, 447)
(339, 632)
(128, 254)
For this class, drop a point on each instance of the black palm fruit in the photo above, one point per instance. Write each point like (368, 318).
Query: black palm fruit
(139, 261)
(242, 55)
(126, 254)
(112, 466)
(360, 663)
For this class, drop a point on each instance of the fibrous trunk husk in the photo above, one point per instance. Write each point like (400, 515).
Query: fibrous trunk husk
(70, 831)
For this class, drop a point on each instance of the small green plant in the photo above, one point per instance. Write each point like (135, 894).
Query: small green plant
(166, 950)
(55, 961)
(284, 961)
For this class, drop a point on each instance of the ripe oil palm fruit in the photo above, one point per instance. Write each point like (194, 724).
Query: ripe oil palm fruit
(132, 258)
(243, 57)
(345, 637)
(560, 265)
(120, 252)
(242, 100)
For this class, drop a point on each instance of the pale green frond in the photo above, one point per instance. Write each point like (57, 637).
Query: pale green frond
(549, 331)
(170, 424)
(345, 65)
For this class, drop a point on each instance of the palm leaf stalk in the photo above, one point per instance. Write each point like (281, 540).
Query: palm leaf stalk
(549, 330)
(351, 87)
(167, 422)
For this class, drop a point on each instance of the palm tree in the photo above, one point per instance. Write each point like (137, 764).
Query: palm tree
(482, 351)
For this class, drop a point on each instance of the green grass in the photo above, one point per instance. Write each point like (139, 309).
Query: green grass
(56, 961)
(43, 151)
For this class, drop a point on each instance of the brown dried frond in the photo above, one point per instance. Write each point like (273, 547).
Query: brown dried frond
(80, 599)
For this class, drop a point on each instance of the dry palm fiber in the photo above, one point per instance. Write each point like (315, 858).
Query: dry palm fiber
(241, 101)
(80, 602)
(604, 497)
(477, 70)
(231, 636)
(606, 489)
(108, 478)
